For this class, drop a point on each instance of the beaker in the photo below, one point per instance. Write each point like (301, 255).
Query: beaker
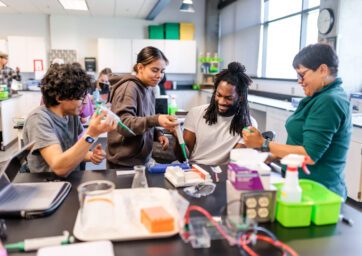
(139, 179)
(97, 207)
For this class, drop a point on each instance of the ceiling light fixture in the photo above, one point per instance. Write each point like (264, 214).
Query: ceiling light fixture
(79, 5)
(2, 4)
(187, 6)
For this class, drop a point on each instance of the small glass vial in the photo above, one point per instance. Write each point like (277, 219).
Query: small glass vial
(139, 179)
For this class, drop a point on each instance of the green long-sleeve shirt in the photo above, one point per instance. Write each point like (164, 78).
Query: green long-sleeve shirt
(322, 125)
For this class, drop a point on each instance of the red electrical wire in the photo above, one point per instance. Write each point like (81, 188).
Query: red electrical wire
(244, 240)
(268, 240)
(230, 239)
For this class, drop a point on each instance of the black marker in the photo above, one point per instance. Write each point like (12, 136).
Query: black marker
(346, 220)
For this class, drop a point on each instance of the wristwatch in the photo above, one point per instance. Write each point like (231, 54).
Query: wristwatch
(265, 146)
(89, 138)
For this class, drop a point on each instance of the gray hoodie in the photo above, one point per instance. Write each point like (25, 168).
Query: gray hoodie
(134, 103)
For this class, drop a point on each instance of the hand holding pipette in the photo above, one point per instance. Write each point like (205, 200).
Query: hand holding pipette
(101, 108)
(100, 123)
(181, 142)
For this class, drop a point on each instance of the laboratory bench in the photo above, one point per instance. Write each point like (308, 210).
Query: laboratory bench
(17, 106)
(337, 239)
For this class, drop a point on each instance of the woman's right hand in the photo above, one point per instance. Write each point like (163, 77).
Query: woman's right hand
(252, 137)
(167, 121)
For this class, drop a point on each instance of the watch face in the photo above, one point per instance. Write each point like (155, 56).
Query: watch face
(89, 139)
(325, 21)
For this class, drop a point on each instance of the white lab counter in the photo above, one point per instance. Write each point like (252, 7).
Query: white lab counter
(18, 106)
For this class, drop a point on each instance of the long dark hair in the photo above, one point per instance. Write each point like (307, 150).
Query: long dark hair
(235, 76)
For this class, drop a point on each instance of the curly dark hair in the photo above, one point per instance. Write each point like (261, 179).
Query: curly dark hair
(233, 75)
(64, 82)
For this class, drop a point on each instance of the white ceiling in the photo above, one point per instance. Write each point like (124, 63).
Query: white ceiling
(114, 8)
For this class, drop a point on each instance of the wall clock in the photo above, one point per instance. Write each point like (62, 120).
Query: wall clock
(325, 21)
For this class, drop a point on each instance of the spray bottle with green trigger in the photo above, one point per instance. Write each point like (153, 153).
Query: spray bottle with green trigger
(291, 191)
(100, 108)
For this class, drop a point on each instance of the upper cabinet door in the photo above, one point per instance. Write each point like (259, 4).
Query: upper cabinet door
(121, 54)
(181, 55)
(24, 50)
(115, 54)
(139, 44)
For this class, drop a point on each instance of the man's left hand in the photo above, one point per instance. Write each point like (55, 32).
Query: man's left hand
(97, 155)
(164, 142)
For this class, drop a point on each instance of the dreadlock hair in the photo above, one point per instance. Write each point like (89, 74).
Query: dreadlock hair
(235, 76)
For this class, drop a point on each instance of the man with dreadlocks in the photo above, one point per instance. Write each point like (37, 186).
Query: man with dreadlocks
(54, 127)
(211, 131)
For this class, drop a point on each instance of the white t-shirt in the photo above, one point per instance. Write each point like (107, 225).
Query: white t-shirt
(213, 142)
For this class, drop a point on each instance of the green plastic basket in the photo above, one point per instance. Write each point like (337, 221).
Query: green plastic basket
(319, 205)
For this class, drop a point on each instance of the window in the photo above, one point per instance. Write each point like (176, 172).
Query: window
(288, 26)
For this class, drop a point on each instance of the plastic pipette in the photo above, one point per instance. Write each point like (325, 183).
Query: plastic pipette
(115, 117)
(36, 243)
(181, 141)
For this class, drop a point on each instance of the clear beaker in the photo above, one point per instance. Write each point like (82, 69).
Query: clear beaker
(139, 179)
(97, 207)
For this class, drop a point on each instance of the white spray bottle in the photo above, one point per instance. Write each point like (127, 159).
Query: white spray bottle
(291, 191)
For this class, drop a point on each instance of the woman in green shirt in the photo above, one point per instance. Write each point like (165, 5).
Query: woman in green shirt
(320, 128)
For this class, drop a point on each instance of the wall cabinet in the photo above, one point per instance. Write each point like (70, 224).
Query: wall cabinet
(275, 121)
(181, 55)
(121, 54)
(353, 170)
(24, 50)
(9, 111)
(16, 107)
(115, 54)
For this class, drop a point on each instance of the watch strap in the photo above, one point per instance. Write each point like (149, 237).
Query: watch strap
(265, 146)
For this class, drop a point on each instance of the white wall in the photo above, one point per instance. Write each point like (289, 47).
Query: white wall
(24, 25)
(349, 44)
(240, 34)
(278, 86)
(81, 32)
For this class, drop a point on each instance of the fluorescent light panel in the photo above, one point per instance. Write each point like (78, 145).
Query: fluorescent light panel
(79, 5)
(2, 4)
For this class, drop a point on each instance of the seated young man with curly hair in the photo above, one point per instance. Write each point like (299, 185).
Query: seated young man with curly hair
(55, 126)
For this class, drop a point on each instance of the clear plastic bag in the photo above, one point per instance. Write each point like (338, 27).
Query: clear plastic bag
(201, 189)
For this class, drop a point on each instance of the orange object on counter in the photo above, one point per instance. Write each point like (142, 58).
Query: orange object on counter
(157, 219)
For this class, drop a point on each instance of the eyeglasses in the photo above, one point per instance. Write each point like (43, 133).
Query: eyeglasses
(80, 98)
(300, 76)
